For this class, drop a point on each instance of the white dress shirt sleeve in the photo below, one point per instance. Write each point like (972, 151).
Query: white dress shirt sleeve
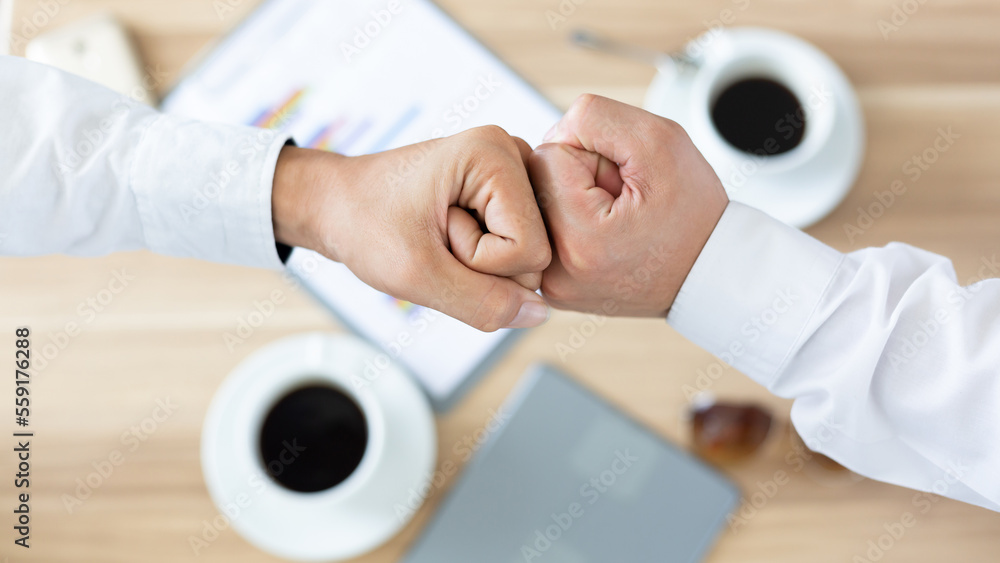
(893, 364)
(87, 171)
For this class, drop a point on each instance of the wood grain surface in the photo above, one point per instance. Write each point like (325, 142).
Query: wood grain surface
(161, 338)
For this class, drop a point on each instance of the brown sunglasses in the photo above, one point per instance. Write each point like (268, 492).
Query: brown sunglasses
(725, 433)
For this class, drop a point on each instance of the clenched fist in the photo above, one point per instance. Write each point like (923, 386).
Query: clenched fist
(450, 223)
(629, 203)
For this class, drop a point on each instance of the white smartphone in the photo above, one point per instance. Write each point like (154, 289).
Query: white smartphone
(97, 48)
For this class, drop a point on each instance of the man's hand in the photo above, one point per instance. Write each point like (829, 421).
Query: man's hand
(629, 203)
(451, 223)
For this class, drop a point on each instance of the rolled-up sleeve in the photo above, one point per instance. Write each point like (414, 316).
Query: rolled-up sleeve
(87, 171)
(892, 363)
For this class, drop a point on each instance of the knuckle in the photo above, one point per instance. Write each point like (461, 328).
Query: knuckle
(671, 130)
(672, 126)
(584, 102)
(538, 161)
(544, 153)
(591, 109)
(541, 257)
(537, 157)
(531, 281)
(490, 145)
(578, 262)
(559, 288)
(521, 145)
(543, 200)
(493, 135)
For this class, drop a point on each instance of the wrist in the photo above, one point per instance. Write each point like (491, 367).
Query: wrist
(303, 180)
(698, 238)
(288, 197)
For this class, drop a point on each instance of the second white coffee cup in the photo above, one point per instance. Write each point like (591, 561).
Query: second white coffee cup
(358, 513)
(799, 186)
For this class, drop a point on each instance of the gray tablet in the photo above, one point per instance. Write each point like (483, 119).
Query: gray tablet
(568, 478)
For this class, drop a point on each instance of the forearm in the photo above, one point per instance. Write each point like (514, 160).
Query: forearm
(892, 364)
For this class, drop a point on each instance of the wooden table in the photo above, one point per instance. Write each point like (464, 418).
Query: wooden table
(161, 338)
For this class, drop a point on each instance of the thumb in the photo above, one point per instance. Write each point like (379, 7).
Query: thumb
(483, 301)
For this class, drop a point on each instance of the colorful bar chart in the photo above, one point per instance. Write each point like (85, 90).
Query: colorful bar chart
(344, 134)
(324, 138)
(281, 115)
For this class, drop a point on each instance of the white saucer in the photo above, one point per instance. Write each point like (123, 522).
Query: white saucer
(351, 518)
(797, 191)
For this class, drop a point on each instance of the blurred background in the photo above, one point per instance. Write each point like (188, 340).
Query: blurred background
(160, 339)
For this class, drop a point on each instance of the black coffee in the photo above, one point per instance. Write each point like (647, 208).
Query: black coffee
(759, 116)
(313, 438)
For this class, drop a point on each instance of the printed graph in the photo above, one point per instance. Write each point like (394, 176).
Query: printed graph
(405, 308)
(325, 137)
(279, 116)
(352, 135)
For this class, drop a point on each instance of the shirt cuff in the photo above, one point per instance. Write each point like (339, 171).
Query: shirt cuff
(203, 190)
(752, 291)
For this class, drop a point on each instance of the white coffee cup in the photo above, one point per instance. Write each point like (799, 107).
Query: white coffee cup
(352, 517)
(800, 186)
